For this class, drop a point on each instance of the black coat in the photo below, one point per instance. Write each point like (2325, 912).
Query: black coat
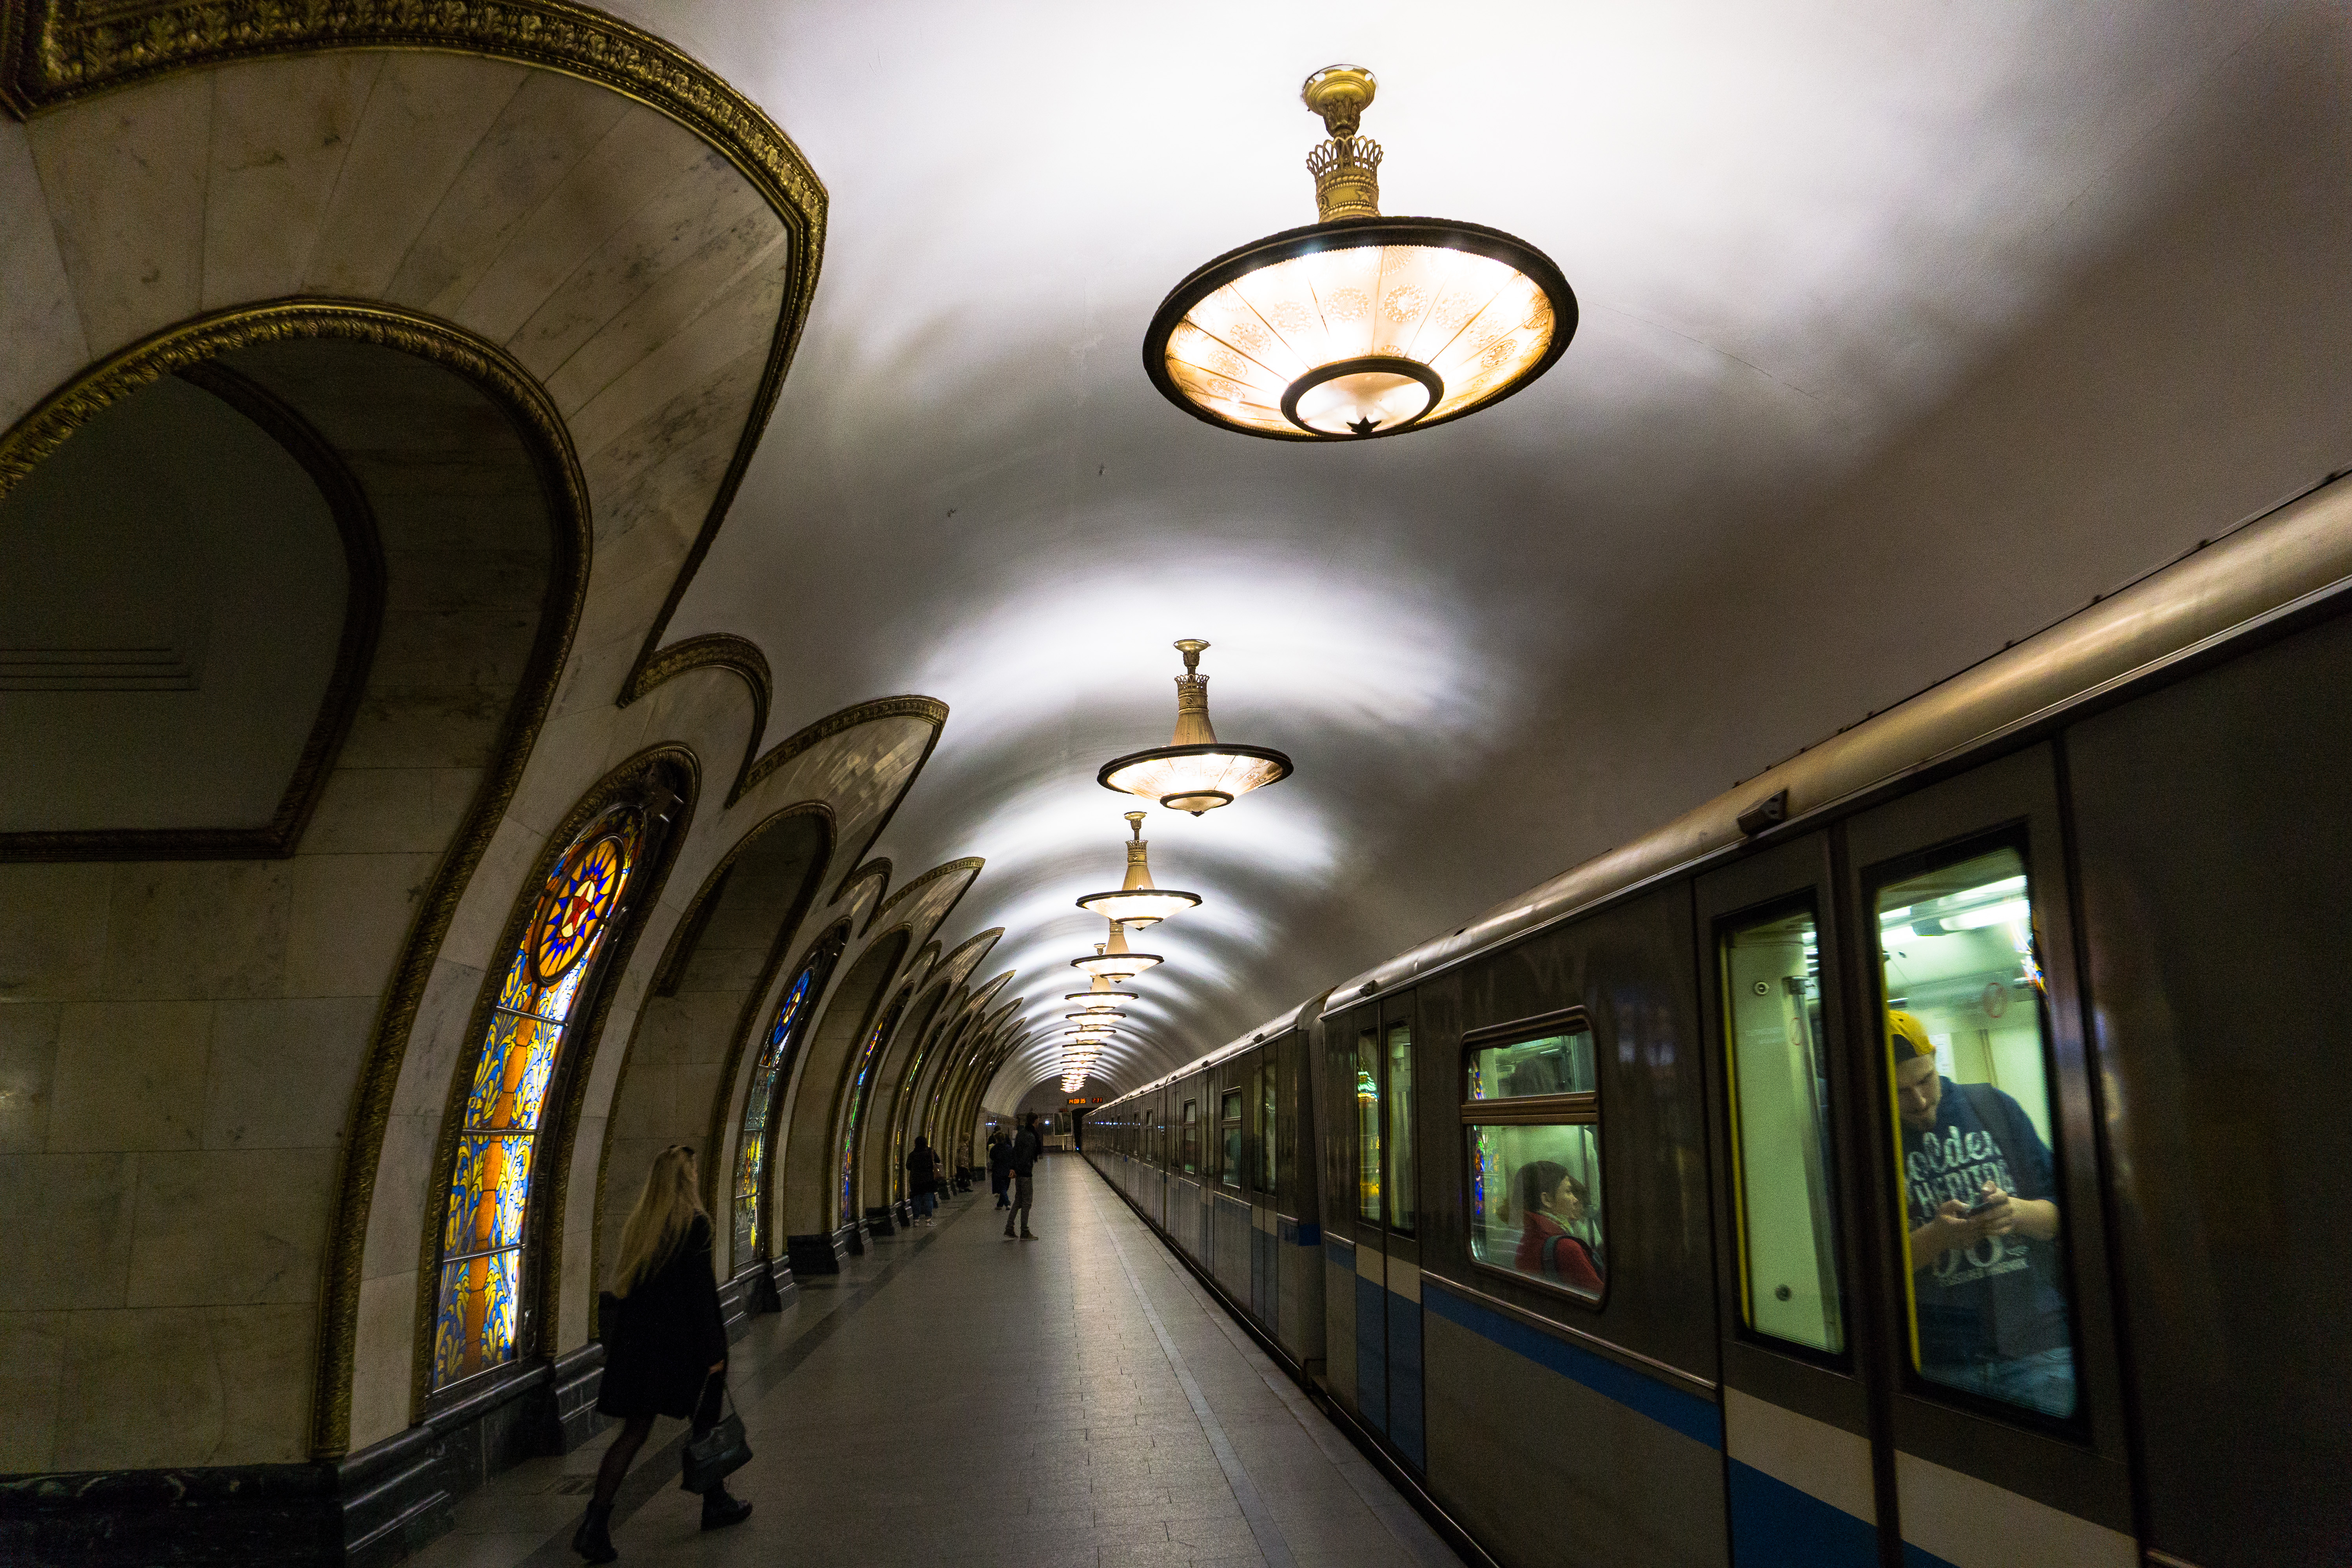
(662, 1338)
(923, 1166)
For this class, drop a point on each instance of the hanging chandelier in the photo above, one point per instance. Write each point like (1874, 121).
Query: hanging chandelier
(1194, 772)
(1358, 325)
(1102, 998)
(1137, 902)
(1112, 961)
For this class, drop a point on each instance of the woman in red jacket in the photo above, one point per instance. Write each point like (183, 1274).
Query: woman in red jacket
(1550, 1200)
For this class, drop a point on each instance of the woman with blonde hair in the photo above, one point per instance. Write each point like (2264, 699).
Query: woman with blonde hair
(665, 1339)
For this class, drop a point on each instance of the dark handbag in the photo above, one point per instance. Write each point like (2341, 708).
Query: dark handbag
(717, 1453)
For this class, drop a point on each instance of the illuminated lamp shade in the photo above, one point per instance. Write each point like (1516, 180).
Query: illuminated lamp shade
(1194, 772)
(1358, 325)
(1112, 961)
(1137, 902)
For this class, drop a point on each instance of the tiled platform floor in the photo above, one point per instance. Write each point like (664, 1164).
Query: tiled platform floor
(957, 1398)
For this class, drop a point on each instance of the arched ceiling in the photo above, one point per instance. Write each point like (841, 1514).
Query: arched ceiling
(1907, 328)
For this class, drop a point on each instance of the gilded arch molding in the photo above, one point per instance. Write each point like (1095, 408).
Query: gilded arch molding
(55, 52)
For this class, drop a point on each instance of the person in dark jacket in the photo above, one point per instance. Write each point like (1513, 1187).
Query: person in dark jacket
(923, 1180)
(1000, 1169)
(1026, 1150)
(665, 1341)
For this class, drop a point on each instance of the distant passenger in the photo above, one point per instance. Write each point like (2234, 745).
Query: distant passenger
(1026, 1150)
(1000, 1168)
(923, 1179)
(1991, 1311)
(1550, 1200)
(665, 1341)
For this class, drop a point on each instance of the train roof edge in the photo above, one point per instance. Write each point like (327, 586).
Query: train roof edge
(2283, 559)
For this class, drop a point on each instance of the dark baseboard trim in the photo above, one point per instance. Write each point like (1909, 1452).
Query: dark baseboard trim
(878, 1221)
(367, 1509)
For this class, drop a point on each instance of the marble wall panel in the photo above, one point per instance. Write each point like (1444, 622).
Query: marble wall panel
(645, 404)
(169, 933)
(425, 118)
(123, 176)
(79, 1254)
(753, 239)
(682, 213)
(281, 1073)
(52, 931)
(230, 1227)
(37, 317)
(550, 124)
(131, 1076)
(380, 1386)
(350, 914)
(380, 810)
(32, 1374)
(638, 158)
(280, 131)
(28, 1065)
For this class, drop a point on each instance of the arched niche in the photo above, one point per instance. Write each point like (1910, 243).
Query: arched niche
(254, 957)
(810, 1201)
(680, 1072)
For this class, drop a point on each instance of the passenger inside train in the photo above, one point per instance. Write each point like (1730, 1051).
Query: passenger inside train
(1989, 1301)
(1535, 1162)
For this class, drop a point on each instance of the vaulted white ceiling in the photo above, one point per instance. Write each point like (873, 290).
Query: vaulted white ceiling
(1907, 326)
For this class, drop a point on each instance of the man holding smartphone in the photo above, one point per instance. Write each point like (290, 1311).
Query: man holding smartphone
(1987, 1280)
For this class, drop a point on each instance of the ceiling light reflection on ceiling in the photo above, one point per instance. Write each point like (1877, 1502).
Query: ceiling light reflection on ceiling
(1358, 325)
(1112, 961)
(1137, 902)
(1193, 773)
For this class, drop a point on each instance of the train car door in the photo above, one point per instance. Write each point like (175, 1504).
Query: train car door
(1801, 1472)
(1385, 1221)
(1264, 1254)
(1998, 1368)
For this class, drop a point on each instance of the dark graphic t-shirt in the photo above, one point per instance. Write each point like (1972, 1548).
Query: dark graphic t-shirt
(1999, 1297)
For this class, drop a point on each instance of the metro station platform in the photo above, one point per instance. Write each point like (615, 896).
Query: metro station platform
(956, 1398)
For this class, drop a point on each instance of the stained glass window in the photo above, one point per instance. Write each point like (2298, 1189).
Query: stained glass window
(776, 1055)
(482, 1235)
(861, 1089)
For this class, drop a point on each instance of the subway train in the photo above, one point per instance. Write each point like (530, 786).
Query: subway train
(1929, 1152)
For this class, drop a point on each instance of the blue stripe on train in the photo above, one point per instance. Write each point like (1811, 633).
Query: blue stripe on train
(1698, 1419)
(1372, 1356)
(1776, 1525)
(1297, 1232)
(1404, 1380)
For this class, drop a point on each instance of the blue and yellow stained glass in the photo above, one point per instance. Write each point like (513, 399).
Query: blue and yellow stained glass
(489, 1185)
(751, 1146)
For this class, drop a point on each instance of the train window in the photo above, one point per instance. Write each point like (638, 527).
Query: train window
(1781, 1132)
(1399, 1098)
(1192, 1137)
(1532, 1119)
(1265, 1127)
(1968, 1050)
(1368, 1126)
(1229, 1117)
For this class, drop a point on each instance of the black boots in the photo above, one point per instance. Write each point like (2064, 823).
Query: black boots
(720, 1510)
(593, 1539)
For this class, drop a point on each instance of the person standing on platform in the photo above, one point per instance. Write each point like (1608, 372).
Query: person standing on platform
(665, 1341)
(1026, 1150)
(923, 1179)
(1000, 1169)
